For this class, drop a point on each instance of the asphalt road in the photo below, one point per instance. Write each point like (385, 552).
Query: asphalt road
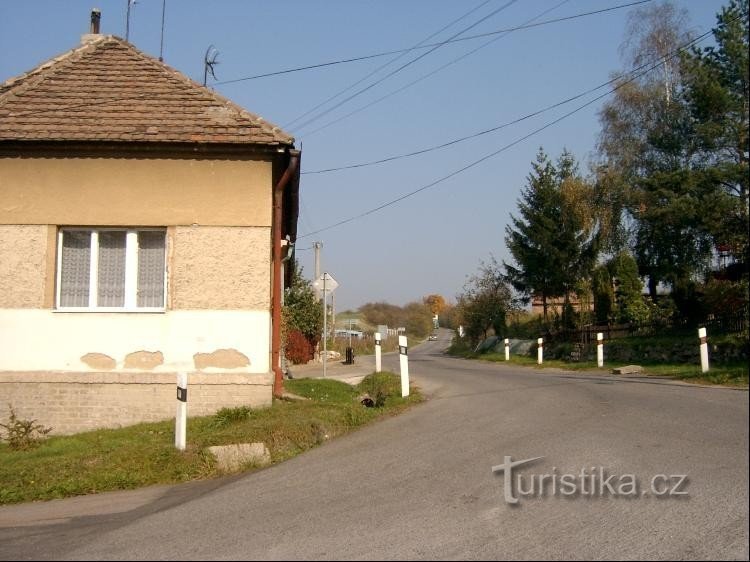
(421, 485)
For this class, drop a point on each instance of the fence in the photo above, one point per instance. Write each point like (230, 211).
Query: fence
(726, 324)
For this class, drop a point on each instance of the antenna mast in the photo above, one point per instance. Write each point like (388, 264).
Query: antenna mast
(209, 61)
(161, 47)
(127, 18)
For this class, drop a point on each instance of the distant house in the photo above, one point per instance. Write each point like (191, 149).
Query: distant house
(345, 333)
(144, 222)
(555, 305)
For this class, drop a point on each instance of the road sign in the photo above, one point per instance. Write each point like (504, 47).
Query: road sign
(325, 283)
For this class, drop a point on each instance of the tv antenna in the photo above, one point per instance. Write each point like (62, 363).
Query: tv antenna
(209, 61)
(131, 3)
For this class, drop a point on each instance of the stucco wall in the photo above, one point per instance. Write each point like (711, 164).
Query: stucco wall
(23, 264)
(220, 268)
(71, 403)
(135, 192)
(187, 340)
(218, 217)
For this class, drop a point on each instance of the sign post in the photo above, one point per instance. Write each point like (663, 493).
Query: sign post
(327, 284)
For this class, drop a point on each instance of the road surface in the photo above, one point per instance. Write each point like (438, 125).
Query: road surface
(421, 485)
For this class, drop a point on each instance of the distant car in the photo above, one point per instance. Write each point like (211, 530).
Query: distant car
(433, 337)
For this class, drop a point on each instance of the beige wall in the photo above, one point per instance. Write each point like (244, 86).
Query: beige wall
(135, 192)
(71, 403)
(24, 253)
(220, 268)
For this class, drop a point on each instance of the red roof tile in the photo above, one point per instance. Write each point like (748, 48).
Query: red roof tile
(107, 90)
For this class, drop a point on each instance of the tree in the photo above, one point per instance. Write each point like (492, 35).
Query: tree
(382, 313)
(302, 312)
(485, 302)
(655, 32)
(647, 144)
(554, 242)
(716, 92)
(436, 303)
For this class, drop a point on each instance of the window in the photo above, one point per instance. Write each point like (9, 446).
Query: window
(111, 269)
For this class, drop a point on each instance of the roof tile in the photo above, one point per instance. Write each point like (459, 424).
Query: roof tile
(107, 89)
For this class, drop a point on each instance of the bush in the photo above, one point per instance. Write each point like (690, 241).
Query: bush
(381, 386)
(23, 434)
(225, 416)
(299, 350)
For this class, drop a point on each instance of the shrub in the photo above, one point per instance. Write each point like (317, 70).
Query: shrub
(299, 350)
(381, 386)
(225, 416)
(23, 434)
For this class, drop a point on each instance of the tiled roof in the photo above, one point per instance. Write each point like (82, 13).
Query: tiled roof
(107, 90)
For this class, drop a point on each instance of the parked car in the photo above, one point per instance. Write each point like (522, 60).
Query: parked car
(433, 337)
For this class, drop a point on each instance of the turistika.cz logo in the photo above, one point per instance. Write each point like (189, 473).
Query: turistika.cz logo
(587, 482)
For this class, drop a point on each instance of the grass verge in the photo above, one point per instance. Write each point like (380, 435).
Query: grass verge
(144, 454)
(733, 375)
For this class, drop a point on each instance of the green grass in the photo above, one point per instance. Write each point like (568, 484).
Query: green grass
(144, 454)
(733, 375)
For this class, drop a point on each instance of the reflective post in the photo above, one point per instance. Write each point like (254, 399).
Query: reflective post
(180, 428)
(404, 360)
(539, 351)
(704, 349)
(378, 364)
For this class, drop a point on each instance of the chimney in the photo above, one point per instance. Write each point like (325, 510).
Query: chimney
(93, 34)
(96, 15)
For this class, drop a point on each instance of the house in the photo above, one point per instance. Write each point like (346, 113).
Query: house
(144, 225)
(555, 305)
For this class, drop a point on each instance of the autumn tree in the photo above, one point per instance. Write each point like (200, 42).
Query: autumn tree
(485, 302)
(436, 303)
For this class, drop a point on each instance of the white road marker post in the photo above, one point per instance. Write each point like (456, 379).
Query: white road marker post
(507, 350)
(378, 364)
(600, 349)
(704, 349)
(404, 360)
(180, 426)
(539, 351)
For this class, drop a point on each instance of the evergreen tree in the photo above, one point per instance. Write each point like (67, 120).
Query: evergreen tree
(553, 241)
(716, 91)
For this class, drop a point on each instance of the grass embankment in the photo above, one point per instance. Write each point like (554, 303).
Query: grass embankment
(733, 374)
(144, 454)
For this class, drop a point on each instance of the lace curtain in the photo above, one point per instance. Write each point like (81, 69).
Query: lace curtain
(111, 274)
(150, 269)
(76, 265)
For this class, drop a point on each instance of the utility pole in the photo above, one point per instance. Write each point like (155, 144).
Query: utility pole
(317, 246)
(333, 314)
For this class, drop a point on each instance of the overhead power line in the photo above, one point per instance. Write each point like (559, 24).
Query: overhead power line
(491, 129)
(402, 54)
(431, 73)
(634, 77)
(426, 46)
(403, 66)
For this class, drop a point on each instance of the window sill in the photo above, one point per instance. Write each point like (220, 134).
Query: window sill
(110, 310)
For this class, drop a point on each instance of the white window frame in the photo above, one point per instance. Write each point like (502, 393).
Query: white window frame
(131, 270)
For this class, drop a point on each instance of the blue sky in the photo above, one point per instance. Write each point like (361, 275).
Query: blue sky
(428, 242)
